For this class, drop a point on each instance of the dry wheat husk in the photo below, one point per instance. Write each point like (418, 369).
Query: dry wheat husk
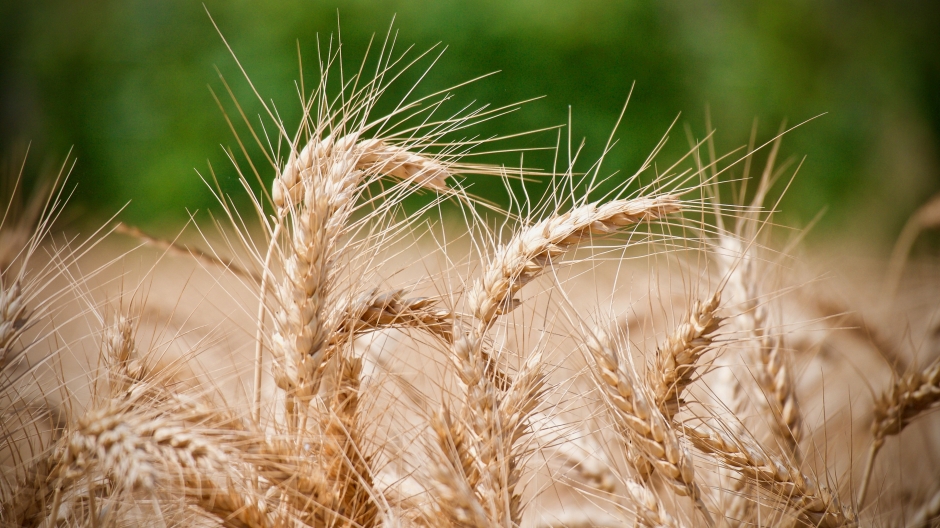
(650, 511)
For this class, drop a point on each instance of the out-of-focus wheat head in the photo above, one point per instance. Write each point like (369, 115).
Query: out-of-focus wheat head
(607, 350)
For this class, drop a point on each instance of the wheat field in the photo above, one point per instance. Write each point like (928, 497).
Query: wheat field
(632, 346)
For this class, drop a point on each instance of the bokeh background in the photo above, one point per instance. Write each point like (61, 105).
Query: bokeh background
(124, 84)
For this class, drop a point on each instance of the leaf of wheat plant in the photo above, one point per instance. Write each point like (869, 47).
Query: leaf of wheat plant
(605, 350)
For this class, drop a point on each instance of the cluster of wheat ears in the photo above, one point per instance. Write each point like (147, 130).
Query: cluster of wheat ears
(646, 355)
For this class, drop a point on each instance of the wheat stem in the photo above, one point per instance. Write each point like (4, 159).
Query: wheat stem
(259, 318)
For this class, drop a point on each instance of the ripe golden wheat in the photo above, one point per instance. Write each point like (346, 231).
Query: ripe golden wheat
(313, 372)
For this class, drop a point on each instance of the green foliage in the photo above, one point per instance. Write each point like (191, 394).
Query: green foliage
(125, 83)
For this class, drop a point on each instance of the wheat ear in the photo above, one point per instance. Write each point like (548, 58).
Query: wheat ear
(347, 466)
(649, 510)
(120, 355)
(816, 503)
(676, 360)
(489, 467)
(374, 311)
(301, 325)
(531, 250)
(774, 377)
(374, 156)
(526, 255)
(908, 398)
(639, 423)
(454, 475)
(144, 452)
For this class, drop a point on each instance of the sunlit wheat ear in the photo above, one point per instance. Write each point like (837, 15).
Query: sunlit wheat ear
(326, 178)
(119, 352)
(375, 311)
(141, 452)
(302, 321)
(676, 360)
(373, 156)
(775, 379)
(489, 466)
(648, 508)
(531, 250)
(907, 399)
(641, 425)
(815, 503)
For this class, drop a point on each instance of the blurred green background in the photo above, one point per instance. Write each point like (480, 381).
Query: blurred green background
(125, 84)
